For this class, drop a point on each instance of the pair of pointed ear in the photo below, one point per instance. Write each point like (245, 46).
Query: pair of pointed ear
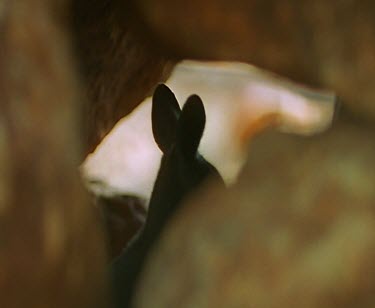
(171, 125)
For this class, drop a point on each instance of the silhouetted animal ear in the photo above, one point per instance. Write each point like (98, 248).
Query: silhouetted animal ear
(191, 126)
(165, 114)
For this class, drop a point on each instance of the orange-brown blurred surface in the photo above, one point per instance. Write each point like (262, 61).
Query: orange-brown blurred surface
(297, 230)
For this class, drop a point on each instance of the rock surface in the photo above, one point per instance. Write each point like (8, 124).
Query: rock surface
(297, 230)
(324, 44)
(51, 248)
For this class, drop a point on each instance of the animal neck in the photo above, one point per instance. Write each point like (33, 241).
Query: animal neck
(169, 190)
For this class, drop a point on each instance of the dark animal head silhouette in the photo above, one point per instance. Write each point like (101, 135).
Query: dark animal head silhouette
(177, 133)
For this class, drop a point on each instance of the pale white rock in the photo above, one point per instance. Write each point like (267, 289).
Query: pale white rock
(235, 95)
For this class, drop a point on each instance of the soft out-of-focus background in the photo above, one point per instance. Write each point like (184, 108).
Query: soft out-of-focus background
(295, 229)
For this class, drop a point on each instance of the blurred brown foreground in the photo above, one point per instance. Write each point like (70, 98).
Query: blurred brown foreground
(298, 228)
